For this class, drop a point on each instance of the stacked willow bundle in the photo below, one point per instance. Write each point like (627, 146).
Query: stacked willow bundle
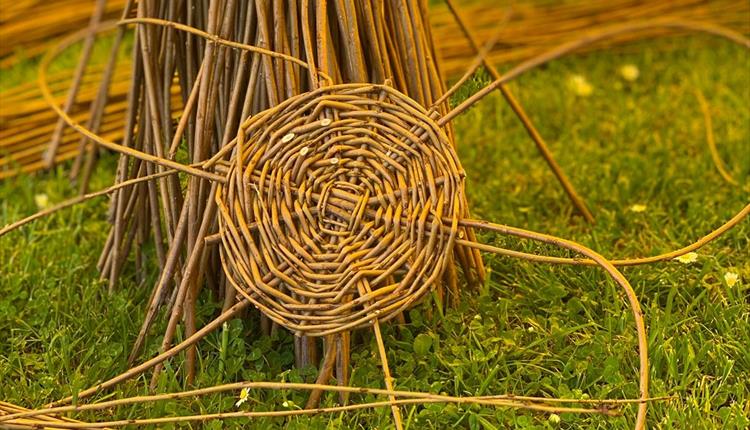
(29, 27)
(28, 123)
(534, 27)
(527, 29)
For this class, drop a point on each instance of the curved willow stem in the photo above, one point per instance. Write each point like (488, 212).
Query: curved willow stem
(525, 402)
(710, 141)
(137, 370)
(613, 273)
(606, 33)
(47, 94)
(741, 215)
(80, 199)
(297, 412)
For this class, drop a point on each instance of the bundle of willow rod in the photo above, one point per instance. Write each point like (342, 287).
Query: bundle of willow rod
(527, 29)
(289, 50)
(30, 27)
(27, 123)
(532, 27)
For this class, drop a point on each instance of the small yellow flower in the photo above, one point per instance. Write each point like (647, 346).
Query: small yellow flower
(244, 395)
(554, 419)
(580, 86)
(638, 208)
(42, 201)
(629, 72)
(690, 257)
(731, 279)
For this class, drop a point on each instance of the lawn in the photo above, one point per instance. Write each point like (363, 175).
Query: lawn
(637, 152)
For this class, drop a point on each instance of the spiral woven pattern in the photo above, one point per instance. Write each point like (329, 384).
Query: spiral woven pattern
(341, 205)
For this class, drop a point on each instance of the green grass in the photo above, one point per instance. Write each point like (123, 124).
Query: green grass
(531, 330)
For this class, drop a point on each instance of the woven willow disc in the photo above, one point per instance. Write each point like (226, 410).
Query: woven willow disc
(341, 205)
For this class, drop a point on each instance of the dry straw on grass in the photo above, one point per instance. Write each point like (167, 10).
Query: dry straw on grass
(322, 184)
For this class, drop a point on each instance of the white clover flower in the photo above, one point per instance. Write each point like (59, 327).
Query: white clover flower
(731, 279)
(580, 86)
(690, 257)
(629, 72)
(244, 395)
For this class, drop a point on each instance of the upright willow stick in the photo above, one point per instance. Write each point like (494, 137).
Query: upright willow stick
(96, 110)
(541, 146)
(387, 374)
(48, 157)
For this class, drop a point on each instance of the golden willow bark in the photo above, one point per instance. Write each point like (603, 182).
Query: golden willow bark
(178, 60)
